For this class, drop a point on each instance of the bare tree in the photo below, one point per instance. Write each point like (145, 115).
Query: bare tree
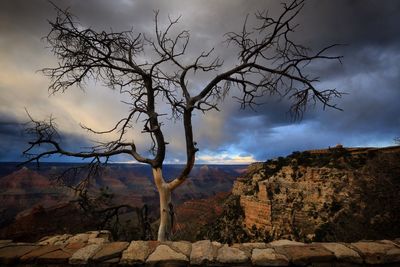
(269, 62)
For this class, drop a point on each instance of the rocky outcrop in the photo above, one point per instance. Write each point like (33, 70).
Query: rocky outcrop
(86, 250)
(335, 194)
(257, 212)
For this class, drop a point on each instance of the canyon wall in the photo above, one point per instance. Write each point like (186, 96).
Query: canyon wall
(323, 195)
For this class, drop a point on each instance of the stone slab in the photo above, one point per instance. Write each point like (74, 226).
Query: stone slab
(343, 253)
(98, 240)
(78, 238)
(248, 247)
(4, 243)
(137, 252)
(254, 245)
(54, 240)
(63, 240)
(268, 257)
(82, 255)
(11, 253)
(202, 252)
(285, 242)
(62, 255)
(216, 245)
(306, 254)
(164, 253)
(231, 255)
(39, 251)
(152, 245)
(74, 246)
(377, 253)
(183, 247)
(109, 251)
(389, 242)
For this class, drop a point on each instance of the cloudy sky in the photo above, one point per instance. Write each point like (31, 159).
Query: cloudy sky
(369, 75)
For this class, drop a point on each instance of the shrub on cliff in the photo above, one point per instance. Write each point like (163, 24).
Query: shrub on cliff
(228, 228)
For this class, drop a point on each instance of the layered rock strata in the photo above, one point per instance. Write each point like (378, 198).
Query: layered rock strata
(337, 194)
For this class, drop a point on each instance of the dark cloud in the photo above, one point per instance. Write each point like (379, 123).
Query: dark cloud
(15, 139)
(358, 23)
(11, 136)
(369, 74)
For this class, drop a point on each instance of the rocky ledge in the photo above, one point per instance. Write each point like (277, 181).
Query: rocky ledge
(96, 248)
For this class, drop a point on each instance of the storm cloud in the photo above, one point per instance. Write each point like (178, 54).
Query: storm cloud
(369, 75)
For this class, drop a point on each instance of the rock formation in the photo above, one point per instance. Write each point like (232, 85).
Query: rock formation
(335, 194)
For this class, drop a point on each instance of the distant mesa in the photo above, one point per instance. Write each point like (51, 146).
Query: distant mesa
(32, 205)
(24, 180)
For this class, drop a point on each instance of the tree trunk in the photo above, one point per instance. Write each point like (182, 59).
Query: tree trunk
(166, 212)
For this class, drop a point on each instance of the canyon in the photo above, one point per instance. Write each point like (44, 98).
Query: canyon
(34, 203)
(327, 195)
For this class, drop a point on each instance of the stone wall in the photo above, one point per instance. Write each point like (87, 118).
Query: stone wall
(97, 249)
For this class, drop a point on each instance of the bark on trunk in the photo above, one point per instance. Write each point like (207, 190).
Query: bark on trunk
(166, 212)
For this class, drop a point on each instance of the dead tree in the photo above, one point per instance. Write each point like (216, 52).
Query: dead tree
(269, 62)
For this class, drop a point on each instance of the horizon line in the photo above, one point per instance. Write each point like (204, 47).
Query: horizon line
(126, 163)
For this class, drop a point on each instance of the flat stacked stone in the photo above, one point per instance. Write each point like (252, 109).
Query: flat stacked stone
(38, 252)
(12, 252)
(203, 252)
(54, 240)
(5, 242)
(110, 251)
(79, 238)
(378, 252)
(164, 254)
(83, 255)
(343, 253)
(247, 248)
(96, 249)
(268, 257)
(183, 247)
(61, 255)
(303, 255)
(285, 242)
(136, 253)
(231, 255)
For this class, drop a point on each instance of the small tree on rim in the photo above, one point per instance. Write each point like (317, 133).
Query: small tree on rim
(269, 62)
